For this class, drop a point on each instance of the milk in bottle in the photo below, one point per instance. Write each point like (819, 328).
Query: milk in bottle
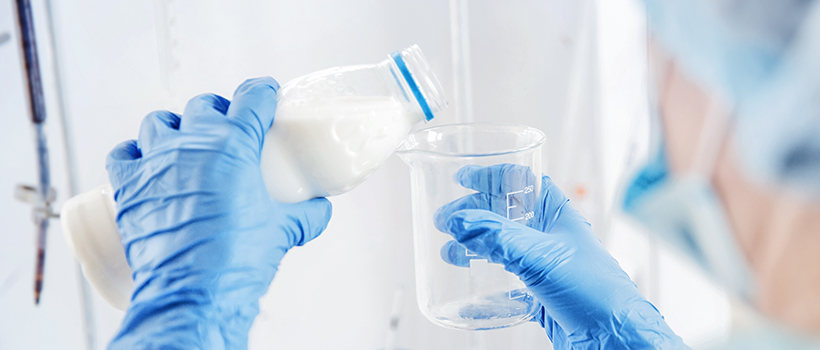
(332, 130)
(335, 127)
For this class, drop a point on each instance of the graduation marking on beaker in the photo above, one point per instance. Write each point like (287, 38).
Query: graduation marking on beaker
(528, 215)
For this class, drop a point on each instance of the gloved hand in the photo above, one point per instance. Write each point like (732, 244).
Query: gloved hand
(588, 301)
(199, 229)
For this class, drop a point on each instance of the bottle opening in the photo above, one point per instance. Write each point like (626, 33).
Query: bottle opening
(421, 80)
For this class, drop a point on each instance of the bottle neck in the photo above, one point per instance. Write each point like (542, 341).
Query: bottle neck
(413, 82)
(401, 91)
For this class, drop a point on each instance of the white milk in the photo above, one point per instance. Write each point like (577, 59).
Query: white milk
(326, 147)
(333, 129)
(330, 145)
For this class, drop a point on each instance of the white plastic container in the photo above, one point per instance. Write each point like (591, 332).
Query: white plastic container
(90, 227)
(332, 130)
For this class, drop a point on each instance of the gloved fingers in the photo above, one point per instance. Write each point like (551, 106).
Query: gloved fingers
(455, 254)
(254, 106)
(499, 179)
(204, 109)
(156, 127)
(121, 162)
(470, 201)
(124, 151)
(307, 220)
(496, 238)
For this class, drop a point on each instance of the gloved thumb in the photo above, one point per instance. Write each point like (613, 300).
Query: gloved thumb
(306, 220)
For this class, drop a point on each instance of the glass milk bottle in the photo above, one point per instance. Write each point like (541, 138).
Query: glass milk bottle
(335, 127)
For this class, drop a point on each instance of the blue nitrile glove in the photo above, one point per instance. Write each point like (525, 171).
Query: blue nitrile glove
(588, 301)
(199, 230)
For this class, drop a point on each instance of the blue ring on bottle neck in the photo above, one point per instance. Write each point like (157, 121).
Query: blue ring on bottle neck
(428, 114)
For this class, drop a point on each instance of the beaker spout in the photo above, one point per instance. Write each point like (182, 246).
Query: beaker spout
(406, 150)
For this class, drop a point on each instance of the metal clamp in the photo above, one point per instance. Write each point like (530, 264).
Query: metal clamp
(31, 195)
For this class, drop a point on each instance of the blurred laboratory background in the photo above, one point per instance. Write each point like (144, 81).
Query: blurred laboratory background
(575, 69)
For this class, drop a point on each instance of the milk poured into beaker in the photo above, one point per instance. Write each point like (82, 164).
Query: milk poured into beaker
(330, 145)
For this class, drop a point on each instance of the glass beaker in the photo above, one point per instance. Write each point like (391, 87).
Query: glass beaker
(478, 294)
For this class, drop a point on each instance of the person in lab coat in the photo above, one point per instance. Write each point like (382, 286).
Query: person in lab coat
(734, 184)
